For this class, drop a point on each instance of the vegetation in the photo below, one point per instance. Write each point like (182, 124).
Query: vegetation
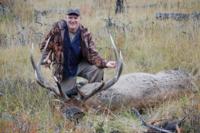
(147, 44)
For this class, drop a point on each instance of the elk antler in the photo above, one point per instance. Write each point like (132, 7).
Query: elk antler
(155, 128)
(118, 71)
(103, 86)
(38, 74)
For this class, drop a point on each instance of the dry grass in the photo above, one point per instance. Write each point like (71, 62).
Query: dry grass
(151, 46)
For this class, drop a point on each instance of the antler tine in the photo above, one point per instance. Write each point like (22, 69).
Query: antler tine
(118, 71)
(39, 78)
(114, 47)
(43, 52)
(118, 58)
(119, 66)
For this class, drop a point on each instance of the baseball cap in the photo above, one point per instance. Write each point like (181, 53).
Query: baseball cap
(74, 11)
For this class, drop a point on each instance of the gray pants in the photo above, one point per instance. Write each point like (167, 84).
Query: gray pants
(85, 70)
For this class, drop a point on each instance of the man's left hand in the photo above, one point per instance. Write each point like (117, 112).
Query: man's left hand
(111, 64)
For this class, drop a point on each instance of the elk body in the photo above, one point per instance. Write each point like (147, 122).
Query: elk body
(145, 90)
(134, 89)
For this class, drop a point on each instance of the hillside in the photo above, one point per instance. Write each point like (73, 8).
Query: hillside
(153, 35)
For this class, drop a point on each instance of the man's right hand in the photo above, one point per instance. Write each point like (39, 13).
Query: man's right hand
(111, 64)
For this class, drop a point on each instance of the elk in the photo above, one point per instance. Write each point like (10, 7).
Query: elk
(72, 107)
(134, 89)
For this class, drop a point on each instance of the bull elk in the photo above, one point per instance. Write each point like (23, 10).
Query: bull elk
(72, 105)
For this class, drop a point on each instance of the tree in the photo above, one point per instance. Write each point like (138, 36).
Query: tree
(119, 8)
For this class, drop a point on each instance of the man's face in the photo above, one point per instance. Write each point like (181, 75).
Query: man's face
(73, 22)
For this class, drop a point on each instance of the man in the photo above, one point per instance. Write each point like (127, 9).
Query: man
(71, 52)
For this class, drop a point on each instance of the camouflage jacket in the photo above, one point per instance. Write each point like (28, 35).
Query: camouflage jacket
(54, 50)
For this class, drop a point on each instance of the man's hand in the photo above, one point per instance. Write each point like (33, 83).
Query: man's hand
(111, 64)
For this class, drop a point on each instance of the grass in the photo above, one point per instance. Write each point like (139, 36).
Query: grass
(151, 46)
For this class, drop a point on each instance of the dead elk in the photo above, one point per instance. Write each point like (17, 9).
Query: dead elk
(144, 90)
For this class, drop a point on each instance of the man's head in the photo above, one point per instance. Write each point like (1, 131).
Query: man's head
(73, 19)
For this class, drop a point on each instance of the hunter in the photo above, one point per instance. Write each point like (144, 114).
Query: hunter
(71, 52)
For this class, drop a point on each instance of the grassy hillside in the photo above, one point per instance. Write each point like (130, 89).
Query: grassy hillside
(147, 44)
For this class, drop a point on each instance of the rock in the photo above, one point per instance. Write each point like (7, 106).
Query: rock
(4, 10)
(3, 40)
(178, 16)
(195, 15)
(7, 117)
(1, 94)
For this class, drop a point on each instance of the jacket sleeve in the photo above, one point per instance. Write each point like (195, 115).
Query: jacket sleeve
(93, 55)
(48, 52)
